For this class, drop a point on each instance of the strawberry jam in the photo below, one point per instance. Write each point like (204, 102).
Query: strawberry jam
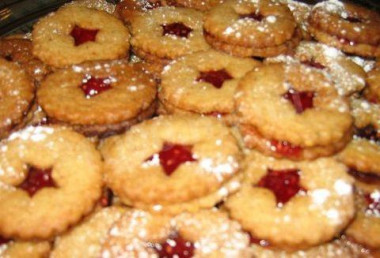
(283, 183)
(216, 78)
(252, 16)
(92, 86)
(314, 64)
(82, 35)
(368, 132)
(301, 100)
(177, 29)
(373, 202)
(37, 179)
(173, 155)
(174, 247)
(286, 149)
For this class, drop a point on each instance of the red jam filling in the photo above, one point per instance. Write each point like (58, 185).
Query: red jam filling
(177, 29)
(301, 100)
(255, 241)
(283, 183)
(367, 177)
(252, 16)
(216, 78)
(173, 155)
(369, 132)
(175, 247)
(4, 241)
(313, 64)
(93, 86)
(106, 199)
(82, 35)
(373, 203)
(286, 149)
(37, 179)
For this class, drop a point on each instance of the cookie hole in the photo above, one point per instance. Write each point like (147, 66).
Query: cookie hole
(82, 35)
(314, 64)
(283, 183)
(37, 179)
(171, 156)
(301, 100)
(368, 132)
(252, 16)
(216, 77)
(285, 148)
(92, 86)
(174, 246)
(177, 29)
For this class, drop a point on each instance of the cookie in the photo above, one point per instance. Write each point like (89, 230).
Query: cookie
(282, 201)
(86, 239)
(17, 95)
(173, 163)
(129, 9)
(98, 98)
(362, 154)
(203, 234)
(372, 92)
(301, 12)
(75, 34)
(32, 249)
(349, 27)
(49, 176)
(203, 83)
(166, 33)
(19, 50)
(251, 28)
(293, 111)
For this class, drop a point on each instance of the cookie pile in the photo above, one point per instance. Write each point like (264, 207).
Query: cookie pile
(192, 128)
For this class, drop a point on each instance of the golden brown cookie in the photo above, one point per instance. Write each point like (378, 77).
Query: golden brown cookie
(349, 27)
(283, 201)
(203, 83)
(203, 234)
(173, 163)
(49, 176)
(17, 95)
(293, 111)
(373, 90)
(30, 249)
(251, 28)
(301, 12)
(98, 98)
(75, 34)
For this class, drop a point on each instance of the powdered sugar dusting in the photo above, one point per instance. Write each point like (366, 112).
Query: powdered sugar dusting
(32, 133)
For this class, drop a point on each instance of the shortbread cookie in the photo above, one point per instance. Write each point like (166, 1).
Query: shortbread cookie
(290, 200)
(50, 176)
(75, 34)
(98, 98)
(86, 239)
(349, 27)
(173, 163)
(251, 28)
(202, 234)
(203, 83)
(293, 111)
(17, 94)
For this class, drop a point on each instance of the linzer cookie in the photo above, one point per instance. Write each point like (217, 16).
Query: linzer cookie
(362, 154)
(293, 111)
(17, 94)
(203, 83)
(98, 98)
(17, 248)
(191, 162)
(296, 205)
(166, 33)
(348, 77)
(251, 28)
(349, 27)
(49, 178)
(86, 239)
(19, 50)
(202, 234)
(365, 228)
(75, 34)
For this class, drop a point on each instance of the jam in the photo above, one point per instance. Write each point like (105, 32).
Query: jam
(92, 86)
(82, 35)
(301, 100)
(37, 179)
(174, 247)
(177, 29)
(252, 16)
(286, 149)
(368, 132)
(216, 78)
